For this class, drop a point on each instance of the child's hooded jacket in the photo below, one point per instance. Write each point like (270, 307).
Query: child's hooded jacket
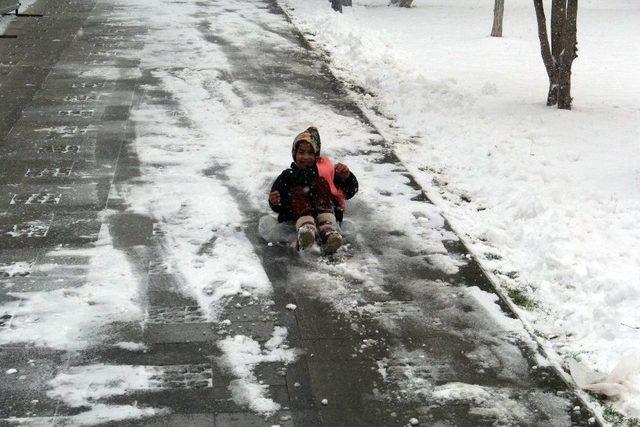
(341, 188)
(294, 176)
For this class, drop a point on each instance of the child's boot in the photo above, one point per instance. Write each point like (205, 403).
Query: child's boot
(329, 232)
(307, 231)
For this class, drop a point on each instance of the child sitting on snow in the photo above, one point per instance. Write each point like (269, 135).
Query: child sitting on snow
(313, 193)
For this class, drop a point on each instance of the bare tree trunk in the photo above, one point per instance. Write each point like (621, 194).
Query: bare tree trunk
(547, 57)
(558, 14)
(568, 54)
(401, 3)
(336, 5)
(558, 55)
(498, 14)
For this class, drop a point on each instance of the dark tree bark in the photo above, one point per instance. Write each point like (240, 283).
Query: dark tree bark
(558, 55)
(568, 54)
(498, 14)
(545, 49)
(336, 5)
(558, 13)
(401, 3)
(347, 3)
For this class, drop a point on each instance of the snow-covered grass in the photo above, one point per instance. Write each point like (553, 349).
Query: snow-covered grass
(548, 200)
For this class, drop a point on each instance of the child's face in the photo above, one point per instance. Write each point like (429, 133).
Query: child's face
(305, 156)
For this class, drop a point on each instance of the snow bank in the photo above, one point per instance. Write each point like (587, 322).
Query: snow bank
(551, 197)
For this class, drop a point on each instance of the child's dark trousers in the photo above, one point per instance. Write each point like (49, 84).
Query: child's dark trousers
(312, 200)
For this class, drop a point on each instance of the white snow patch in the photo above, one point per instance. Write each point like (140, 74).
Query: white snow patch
(489, 302)
(111, 73)
(16, 269)
(84, 386)
(490, 402)
(253, 395)
(241, 354)
(445, 263)
(74, 318)
(132, 346)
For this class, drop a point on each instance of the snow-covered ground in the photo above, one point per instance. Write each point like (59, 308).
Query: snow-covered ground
(540, 185)
(548, 200)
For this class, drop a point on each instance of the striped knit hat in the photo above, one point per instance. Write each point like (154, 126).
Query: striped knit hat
(310, 135)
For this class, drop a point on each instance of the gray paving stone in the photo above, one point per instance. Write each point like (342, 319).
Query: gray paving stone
(187, 420)
(283, 419)
(318, 321)
(115, 332)
(160, 282)
(301, 393)
(51, 197)
(174, 314)
(258, 330)
(382, 414)
(73, 85)
(329, 349)
(272, 373)
(356, 380)
(169, 300)
(26, 135)
(182, 401)
(130, 229)
(9, 257)
(176, 353)
(40, 284)
(66, 114)
(23, 394)
(238, 309)
(29, 228)
(51, 149)
(180, 333)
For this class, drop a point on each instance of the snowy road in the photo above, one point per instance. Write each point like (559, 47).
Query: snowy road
(134, 282)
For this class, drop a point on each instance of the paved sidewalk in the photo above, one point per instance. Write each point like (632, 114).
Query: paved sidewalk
(67, 162)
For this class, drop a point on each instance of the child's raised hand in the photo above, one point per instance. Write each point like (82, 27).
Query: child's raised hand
(342, 170)
(274, 198)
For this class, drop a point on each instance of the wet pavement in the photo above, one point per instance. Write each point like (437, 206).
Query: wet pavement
(67, 158)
